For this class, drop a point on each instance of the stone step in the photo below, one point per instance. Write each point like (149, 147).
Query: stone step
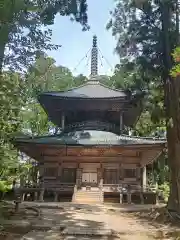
(88, 191)
(86, 202)
(87, 198)
(89, 195)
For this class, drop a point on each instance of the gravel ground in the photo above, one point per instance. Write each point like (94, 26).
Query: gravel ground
(84, 222)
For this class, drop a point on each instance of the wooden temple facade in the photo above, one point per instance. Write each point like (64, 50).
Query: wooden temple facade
(91, 160)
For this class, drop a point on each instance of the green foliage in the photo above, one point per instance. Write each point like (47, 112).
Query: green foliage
(44, 76)
(165, 189)
(11, 102)
(24, 28)
(144, 44)
(140, 45)
(5, 186)
(24, 34)
(175, 72)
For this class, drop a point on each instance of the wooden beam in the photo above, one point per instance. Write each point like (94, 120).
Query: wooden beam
(149, 156)
(91, 159)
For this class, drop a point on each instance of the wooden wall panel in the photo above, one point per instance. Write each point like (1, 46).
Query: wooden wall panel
(53, 151)
(111, 165)
(100, 151)
(89, 167)
(128, 166)
(69, 165)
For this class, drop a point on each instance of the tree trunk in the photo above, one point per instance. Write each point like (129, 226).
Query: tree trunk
(173, 138)
(172, 109)
(174, 165)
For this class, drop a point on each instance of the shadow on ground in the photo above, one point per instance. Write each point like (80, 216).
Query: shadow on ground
(77, 221)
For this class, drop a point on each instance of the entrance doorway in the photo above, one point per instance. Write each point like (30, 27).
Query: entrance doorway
(110, 176)
(89, 178)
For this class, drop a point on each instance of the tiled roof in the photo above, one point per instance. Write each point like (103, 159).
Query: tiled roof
(88, 90)
(91, 138)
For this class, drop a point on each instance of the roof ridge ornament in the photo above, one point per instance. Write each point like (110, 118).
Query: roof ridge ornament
(94, 62)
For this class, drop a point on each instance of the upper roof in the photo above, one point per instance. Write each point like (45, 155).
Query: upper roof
(92, 101)
(89, 90)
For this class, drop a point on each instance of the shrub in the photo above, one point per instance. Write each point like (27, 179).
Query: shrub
(165, 189)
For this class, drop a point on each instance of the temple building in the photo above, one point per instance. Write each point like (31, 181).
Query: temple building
(92, 160)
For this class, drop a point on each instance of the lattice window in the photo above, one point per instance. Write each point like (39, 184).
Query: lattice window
(69, 175)
(50, 172)
(130, 173)
(110, 176)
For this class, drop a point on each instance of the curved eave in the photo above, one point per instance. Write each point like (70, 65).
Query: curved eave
(60, 141)
(55, 108)
(89, 90)
(147, 151)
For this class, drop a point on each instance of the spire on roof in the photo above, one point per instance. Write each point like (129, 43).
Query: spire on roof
(94, 58)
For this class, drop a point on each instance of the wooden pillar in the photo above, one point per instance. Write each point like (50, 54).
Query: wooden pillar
(41, 196)
(41, 169)
(78, 177)
(121, 198)
(121, 122)
(129, 197)
(55, 197)
(144, 178)
(59, 174)
(23, 197)
(35, 196)
(100, 176)
(63, 121)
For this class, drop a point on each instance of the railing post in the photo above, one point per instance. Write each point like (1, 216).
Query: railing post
(144, 180)
(101, 197)
(55, 196)
(41, 196)
(129, 195)
(74, 193)
(141, 195)
(35, 196)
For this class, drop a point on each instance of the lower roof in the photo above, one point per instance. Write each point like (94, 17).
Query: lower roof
(90, 138)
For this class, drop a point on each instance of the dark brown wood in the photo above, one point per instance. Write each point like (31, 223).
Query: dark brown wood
(93, 159)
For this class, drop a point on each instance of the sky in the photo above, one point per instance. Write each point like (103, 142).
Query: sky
(76, 43)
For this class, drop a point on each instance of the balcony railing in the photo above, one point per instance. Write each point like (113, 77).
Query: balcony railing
(124, 188)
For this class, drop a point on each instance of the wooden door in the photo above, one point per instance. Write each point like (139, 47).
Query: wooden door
(89, 178)
(110, 176)
(69, 175)
(93, 178)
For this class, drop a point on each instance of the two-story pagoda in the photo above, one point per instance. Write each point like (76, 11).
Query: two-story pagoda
(91, 159)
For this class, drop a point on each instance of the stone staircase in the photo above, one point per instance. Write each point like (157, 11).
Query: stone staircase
(88, 196)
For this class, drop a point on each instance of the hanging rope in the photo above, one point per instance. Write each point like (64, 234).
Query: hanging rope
(108, 64)
(100, 56)
(81, 60)
(105, 59)
(87, 63)
(101, 61)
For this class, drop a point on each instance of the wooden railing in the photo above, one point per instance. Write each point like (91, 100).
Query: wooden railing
(128, 188)
(49, 185)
